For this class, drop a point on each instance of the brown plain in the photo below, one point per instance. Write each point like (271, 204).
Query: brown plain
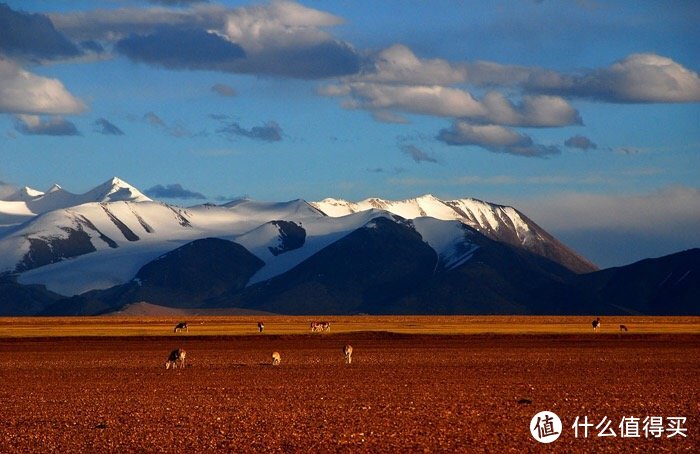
(446, 384)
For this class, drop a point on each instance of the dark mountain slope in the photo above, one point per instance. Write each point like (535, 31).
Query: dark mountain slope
(498, 279)
(362, 272)
(17, 299)
(183, 278)
(668, 285)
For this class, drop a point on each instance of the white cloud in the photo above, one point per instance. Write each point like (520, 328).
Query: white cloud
(278, 25)
(441, 101)
(398, 64)
(22, 92)
(638, 78)
(421, 99)
(488, 135)
(114, 24)
(495, 138)
(281, 38)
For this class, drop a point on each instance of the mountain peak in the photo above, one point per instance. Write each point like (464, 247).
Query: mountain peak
(115, 190)
(25, 194)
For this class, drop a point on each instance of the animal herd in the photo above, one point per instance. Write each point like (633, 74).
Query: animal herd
(177, 357)
(596, 325)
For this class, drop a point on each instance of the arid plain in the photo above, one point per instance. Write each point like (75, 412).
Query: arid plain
(445, 384)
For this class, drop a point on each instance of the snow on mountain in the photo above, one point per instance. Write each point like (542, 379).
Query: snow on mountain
(252, 209)
(57, 248)
(74, 243)
(498, 222)
(25, 194)
(37, 202)
(320, 232)
(450, 239)
(475, 213)
(114, 190)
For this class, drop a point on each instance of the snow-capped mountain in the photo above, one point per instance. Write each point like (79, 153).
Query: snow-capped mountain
(498, 222)
(27, 202)
(114, 190)
(107, 238)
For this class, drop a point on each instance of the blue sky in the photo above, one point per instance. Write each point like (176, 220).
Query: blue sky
(582, 114)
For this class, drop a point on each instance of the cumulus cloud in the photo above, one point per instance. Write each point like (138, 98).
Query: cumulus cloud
(33, 125)
(282, 38)
(181, 49)
(223, 90)
(638, 78)
(32, 36)
(104, 126)
(173, 191)
(112, 25)
(580, 142)
(442, 101)
(398, 64)
(497, 139)
(417, 154)
(269, 132)
(22, 92)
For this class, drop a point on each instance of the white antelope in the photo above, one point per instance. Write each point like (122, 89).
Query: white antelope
(347, 351)
(276, 359)
(176, 357)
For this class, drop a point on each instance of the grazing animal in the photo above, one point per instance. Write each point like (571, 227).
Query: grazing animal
(347, 351)
(596, 324)
(181, 326)
(176, 357)
(623, 328)
(276, 359)
(261, 327)
(320, 326)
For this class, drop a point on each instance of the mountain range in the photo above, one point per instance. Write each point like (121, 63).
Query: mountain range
(98, 252)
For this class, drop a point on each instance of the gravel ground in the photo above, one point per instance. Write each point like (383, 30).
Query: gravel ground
(473, 393)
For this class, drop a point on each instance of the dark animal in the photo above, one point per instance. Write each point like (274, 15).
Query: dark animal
(181, 326)
(623, 328)
(596, 324)
(261, 327)
(176, 357)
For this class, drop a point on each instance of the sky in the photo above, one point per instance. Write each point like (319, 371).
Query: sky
(582, 114)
